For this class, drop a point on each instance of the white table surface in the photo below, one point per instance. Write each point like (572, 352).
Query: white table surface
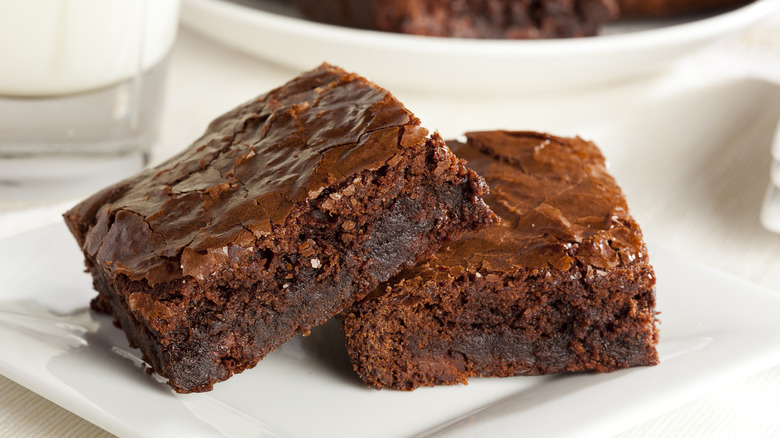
(694, 175)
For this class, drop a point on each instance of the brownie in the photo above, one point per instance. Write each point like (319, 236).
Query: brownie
(562, 284)
(288, 209)
(517, 19)
(665, 8)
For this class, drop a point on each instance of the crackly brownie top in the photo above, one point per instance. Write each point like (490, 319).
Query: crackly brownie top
(244, 175)
(556, 201)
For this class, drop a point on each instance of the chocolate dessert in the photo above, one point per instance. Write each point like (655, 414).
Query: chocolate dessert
(288, 209)
(518, 19)
(562, 284)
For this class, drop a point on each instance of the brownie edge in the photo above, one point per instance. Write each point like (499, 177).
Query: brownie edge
(562, 284)
(287, 210)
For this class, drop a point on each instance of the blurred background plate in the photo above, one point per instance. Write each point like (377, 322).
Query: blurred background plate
(270, 29)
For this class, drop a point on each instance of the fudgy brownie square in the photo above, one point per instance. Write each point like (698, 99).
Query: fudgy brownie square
(563, 283)
(289, 208)
(513, 19)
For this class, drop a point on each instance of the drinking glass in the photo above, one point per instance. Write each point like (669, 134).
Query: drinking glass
(81, 91)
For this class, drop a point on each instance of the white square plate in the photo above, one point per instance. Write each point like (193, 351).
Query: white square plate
(715, 329)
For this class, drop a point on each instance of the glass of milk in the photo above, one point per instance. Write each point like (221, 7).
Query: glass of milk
(81, 89)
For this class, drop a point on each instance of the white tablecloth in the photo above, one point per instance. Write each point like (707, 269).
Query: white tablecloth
(694, 174)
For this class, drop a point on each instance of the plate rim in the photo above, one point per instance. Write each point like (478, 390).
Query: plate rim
(694, 30)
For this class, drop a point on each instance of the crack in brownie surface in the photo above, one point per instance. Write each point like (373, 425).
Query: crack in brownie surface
(563, 283)
(278, 217)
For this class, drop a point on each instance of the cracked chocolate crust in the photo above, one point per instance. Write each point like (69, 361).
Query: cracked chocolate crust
(562, 284)
(284, 212)
(512, 19)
